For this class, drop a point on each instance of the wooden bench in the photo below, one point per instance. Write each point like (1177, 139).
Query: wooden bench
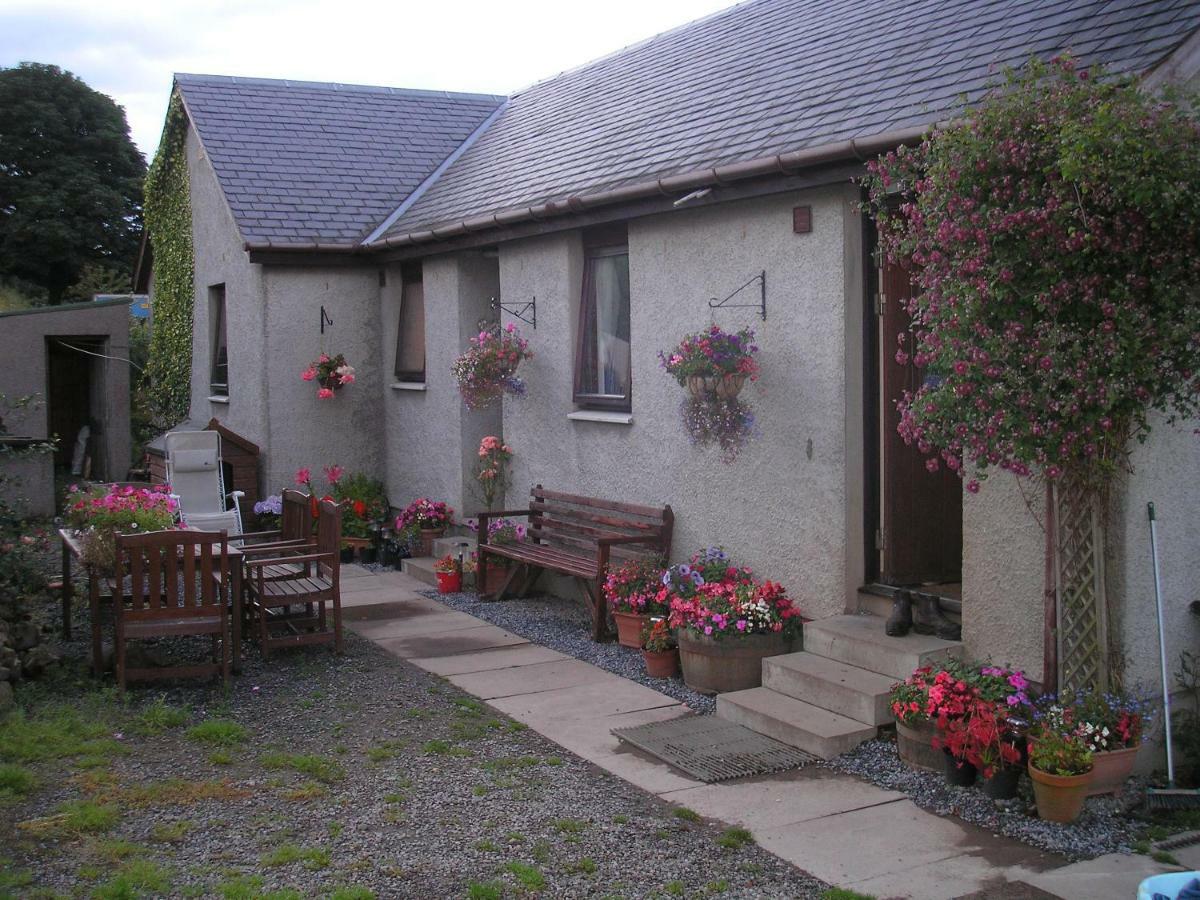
(577, 536)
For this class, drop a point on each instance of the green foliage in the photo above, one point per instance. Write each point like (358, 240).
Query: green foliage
(687, 815)
(843, 894)
(486, 890)
(734, 838)
(136, 879)
(218, 733)
(160, 716)
(352, 892)
(312, 858)
(78, 816)
(1186, 721)
(169, 223)
(55, 732)
(310, 764)
(529, 876)
(15, 781)
(1053, 236)
(72, 185)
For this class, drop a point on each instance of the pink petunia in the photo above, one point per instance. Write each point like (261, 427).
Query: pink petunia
(324, 393)
(303, 476)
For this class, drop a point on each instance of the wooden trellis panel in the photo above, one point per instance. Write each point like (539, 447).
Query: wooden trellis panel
(1079, 585)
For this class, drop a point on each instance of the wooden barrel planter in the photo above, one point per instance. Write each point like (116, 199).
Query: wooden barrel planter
(915, 746)
(1111, 769)
(730, 664)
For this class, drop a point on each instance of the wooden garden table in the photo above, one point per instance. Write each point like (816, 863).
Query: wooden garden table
(73, 550)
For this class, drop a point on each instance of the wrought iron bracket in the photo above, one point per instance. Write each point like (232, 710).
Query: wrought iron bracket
(761, 305)
(526, 312)
(325, 320)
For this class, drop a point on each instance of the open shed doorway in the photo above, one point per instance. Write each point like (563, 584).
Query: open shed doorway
(917, 514)
(75, 403)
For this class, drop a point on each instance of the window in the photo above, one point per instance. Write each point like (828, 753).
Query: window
(219, 377)
(602, 375)
(410, 333)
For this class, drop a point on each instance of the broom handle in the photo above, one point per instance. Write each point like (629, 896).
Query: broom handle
(1162, 645)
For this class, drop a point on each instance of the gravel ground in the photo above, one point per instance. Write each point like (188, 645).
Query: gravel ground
(566, 626)
(1102, 828)
(341, 772)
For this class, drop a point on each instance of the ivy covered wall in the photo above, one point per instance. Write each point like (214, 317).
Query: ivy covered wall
(168, 212)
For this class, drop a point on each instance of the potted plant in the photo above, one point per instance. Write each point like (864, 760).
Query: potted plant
(713, 362)
(495, 570)
(268, 512)
(364, 508)
(488, 369)
(426, 519)
(1110, 725)
(659, 649)
(915, 729)
(449, 576)
(727, 623)
(332, 373)
(634, 592)
(983, 741)
(1060, 766)
(106, 511)
(491, 471)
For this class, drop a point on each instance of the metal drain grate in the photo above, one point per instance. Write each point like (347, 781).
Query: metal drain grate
(713, 749)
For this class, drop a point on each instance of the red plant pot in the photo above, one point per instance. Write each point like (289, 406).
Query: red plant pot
(661, 663)
(449, 582)
(629, 628)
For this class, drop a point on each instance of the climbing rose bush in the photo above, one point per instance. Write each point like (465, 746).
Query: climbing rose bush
(1053, 238)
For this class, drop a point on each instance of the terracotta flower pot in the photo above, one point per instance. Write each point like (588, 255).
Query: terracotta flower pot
(914, 743)
(1059, 797)
(629, 628)
(959, 773)
(1111, 769)
(730, 664)
(449, 582)
(428, 535)
(494, 576)
(1003, 783)
(661, 663)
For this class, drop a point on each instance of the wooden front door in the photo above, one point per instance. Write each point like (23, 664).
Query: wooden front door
(921, 527)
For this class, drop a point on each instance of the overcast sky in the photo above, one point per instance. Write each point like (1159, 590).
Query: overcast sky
(128, 49)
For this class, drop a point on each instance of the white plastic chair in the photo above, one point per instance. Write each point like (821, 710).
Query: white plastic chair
(197, 482)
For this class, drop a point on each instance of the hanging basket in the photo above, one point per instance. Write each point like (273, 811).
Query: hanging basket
(725, 387)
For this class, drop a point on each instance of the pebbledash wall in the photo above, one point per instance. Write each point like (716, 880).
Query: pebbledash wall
(1003, 562)
(784, 507)
(273, 333)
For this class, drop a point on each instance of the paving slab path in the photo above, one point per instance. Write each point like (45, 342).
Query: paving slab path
(838, 828)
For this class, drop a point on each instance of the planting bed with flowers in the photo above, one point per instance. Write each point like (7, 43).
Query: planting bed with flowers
(488, 369)
(102, 513)
(424, 513)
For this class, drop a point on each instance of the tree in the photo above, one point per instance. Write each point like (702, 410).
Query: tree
(70, 180)
(1054, 234)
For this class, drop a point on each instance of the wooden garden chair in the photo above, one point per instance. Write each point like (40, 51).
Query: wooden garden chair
(296, 609)
(170, 584)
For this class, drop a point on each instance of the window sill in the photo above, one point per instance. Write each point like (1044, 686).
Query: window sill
(218, 398)
(599, 415)
(408, 385)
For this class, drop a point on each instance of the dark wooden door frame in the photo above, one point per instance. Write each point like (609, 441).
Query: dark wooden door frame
(875, 527)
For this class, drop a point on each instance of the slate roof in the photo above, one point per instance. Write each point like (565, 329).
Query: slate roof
(772, 76)
(306, 162)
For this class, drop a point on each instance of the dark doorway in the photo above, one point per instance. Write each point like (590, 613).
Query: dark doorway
(920, 512)
(73, 397)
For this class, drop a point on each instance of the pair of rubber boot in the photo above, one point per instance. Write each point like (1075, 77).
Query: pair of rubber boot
(920, 613)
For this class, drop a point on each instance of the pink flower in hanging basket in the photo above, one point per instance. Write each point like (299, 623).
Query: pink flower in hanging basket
(330, 372)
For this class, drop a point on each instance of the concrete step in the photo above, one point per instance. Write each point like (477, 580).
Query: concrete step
(860, 641)
(420, 568)
(818, 731)
(450, 545)
(850, 691)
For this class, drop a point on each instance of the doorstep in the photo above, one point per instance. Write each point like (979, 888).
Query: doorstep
(833, 826)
